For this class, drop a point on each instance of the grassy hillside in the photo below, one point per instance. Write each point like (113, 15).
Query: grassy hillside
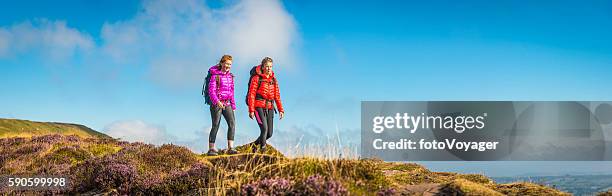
(108, 166)
(26, 128)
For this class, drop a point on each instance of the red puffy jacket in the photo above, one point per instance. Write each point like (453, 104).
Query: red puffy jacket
(263, 96)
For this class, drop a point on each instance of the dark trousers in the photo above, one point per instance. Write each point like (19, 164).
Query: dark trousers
(215, 114)
(266, 124)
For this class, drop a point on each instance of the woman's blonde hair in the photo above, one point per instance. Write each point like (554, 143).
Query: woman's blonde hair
(224, 58)
(265, 60)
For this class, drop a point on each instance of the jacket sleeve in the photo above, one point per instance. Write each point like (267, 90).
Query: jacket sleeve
(212, 89)
(252, 89)
(233, 100)
(277, 98)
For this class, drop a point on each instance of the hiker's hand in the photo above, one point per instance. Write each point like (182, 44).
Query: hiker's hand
(251, 115)
(282, 114)
(220, 104)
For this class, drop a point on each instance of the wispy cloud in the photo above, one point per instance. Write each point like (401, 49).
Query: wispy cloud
(139, 131)
(51, 39)
(176, 41)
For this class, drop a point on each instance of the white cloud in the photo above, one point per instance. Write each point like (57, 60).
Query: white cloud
(254, 29)
(51, 39)
(137, 130)
(141, 131)
(178, 41)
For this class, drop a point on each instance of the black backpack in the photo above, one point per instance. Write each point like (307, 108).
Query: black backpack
(254, 73)
(205, 88)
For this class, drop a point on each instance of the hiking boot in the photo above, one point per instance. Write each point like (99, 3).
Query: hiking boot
(212, 152)
(254, 146)
(232, 151)
(262, 149)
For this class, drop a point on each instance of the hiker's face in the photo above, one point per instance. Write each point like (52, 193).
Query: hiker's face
(225, 66)
(267, 68)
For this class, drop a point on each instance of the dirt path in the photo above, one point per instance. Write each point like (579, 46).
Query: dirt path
(425, 189)
(430, 189)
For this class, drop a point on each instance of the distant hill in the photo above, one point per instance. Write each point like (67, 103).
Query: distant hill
(26, 128)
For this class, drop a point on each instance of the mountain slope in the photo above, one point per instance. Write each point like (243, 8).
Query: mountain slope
(26, 128)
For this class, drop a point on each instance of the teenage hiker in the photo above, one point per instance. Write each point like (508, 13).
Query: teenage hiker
(263, 93)
(219, 94)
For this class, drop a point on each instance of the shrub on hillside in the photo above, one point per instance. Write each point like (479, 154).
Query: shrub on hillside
(268, 186)
(199, 176)
(313, 185)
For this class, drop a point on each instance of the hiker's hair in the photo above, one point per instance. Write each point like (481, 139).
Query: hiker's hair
(224, 58)
(265, 60)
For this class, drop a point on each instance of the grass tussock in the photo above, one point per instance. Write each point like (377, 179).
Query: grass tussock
(465, 187)
(525, 188)
(606, 193)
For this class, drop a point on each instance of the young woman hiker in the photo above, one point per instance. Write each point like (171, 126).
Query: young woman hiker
(220, 91)
(263, 93)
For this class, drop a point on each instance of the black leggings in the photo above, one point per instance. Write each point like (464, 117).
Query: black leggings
(266, 124)
(215, 114)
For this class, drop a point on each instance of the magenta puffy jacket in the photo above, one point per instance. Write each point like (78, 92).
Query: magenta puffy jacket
(224, 91)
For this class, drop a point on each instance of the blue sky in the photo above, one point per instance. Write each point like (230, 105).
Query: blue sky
(138, 65)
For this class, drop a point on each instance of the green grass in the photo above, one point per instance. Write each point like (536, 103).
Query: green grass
(26, 128)
(100, 150)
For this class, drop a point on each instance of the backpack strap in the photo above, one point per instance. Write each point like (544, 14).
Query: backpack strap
(258, 82)
(218, 83)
